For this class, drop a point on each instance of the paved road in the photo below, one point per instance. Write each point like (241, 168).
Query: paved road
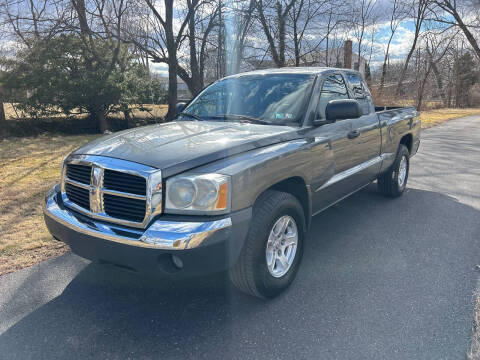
(380, 279)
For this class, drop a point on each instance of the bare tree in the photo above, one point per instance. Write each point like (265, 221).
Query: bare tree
(419, 10)
(307, 20)
(452, 8)
(31, 21)
(436, 46)
(273, 16)
(397, 16)
(243, 16)
(27, 22)
(162, 40)
(363, 15)
(181, 46)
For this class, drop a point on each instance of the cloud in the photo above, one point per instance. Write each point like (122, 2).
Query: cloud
(159, 68)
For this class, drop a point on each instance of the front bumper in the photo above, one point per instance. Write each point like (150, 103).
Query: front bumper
(202, 246)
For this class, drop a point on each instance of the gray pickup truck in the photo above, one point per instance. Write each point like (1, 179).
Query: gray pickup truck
(233, 183)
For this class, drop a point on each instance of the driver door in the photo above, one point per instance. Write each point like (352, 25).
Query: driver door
(338, 133)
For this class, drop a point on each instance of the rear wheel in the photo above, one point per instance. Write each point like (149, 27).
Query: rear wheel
(272, 252)
(393, 182)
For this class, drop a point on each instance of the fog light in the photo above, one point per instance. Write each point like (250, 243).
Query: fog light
(177, 262)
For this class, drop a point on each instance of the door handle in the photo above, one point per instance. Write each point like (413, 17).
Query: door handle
(353, 134)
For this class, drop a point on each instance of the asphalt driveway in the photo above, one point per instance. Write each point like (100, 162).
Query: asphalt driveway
(380, 279)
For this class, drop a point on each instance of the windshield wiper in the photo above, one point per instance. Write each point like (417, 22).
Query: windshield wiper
(241, 117)
(193, 116)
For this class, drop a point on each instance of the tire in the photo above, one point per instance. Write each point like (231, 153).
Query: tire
(390, 183)
(252, 274)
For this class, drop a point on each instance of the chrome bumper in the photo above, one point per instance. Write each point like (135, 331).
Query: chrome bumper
(167, 235)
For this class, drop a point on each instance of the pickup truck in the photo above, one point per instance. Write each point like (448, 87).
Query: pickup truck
(233, 182)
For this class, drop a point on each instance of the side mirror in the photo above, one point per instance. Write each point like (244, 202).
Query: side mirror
(180, 106)
(342, 109)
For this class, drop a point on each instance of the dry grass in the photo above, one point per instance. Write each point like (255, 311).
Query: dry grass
(149, 111)
(29, 167)
(434, 117)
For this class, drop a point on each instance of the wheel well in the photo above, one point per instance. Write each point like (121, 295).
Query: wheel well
(297, 187)
(407, 141)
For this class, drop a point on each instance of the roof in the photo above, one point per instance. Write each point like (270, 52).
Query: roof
(293, 70)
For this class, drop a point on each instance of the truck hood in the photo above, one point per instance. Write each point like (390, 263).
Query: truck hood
(179, 146)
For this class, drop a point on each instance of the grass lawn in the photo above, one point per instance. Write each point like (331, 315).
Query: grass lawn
(154, 110)
(28, 168)
(434, 117)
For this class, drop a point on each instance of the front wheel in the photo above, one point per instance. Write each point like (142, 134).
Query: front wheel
(272, 252)
(393, 182)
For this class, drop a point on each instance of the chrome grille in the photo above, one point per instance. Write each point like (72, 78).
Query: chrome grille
(78, 195)
(110, 189)
(133, 184)
(124, 208)
(80, 173)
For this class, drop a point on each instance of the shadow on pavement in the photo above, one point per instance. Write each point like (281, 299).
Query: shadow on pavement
(380, 278)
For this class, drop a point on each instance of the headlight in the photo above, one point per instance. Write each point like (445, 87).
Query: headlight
(202, 193)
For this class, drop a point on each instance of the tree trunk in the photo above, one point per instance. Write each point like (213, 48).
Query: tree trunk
(197, 76)
(172, 85)
(296, 44)
(405, 67)
(357, 65)
(422, 4)
(385, 60)
(102, 121)
(421, 91)
(126, 114)
(3, 119)
(470, 37)
(384, 73)
(172, 60)
(281, 39)
(451, 8)
(439, 81)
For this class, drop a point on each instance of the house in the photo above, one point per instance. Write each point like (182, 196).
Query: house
(182, 88)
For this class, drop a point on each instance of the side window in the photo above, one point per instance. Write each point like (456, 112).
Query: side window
(360, 92)
(333, 88)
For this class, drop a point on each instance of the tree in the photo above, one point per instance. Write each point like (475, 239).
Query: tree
(397, 15)
(466, 77)
(101, 48)
(363, 16)
(419, 10)
(273, 18)
(162, 41)
(61, 79)
(312, 22)
(452, 8)
(243, 11)
(3, 118)
(436, 46)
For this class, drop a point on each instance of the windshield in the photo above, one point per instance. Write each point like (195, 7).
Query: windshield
(276, 99)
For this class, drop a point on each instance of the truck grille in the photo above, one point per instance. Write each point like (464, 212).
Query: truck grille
(133, 184)
(78, 195)
(80, 173)
(124, 208)
(122, 195)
